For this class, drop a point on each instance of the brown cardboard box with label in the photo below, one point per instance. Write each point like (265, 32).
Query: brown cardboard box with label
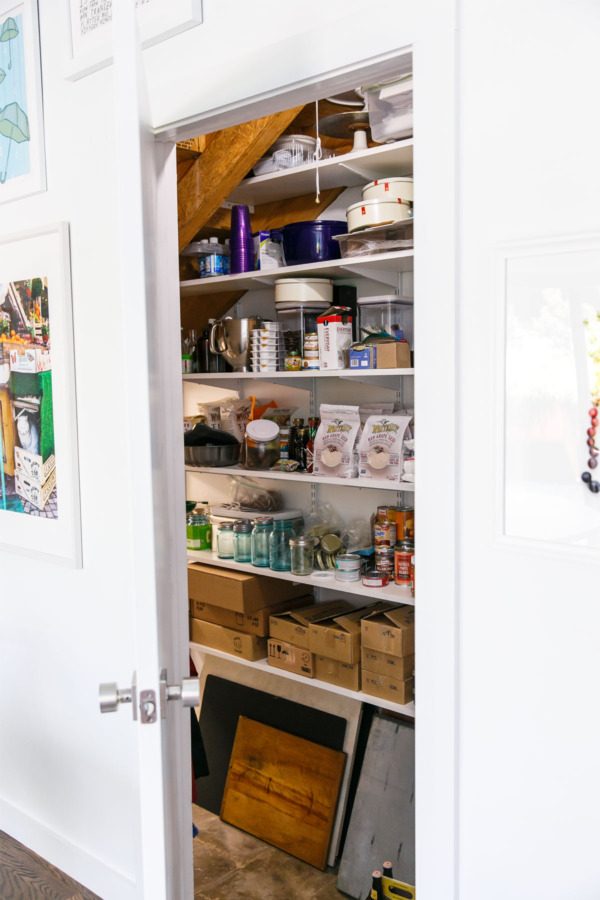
(393, 689)
(252, 623)
(238, 591)
(392, 631)
(392, 355)
(338, 637)
(401, 667)
(332, 671)
(286, 656)
(238, 643)
(293, 626)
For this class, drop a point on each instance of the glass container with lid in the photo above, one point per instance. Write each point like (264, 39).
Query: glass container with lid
(302, 554)
(261, 444)
(261, 533)
(386, 314)
(198, 532)
(279, 545)
(225, 541)
(242, 544)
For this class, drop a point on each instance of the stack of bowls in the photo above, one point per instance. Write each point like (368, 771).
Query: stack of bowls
(241, 241)
(267, 352)
(384, 202)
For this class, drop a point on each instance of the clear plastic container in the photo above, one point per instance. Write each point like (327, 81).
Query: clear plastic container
(388, 314)
(390, 108)
(298, 322)
(262, 444)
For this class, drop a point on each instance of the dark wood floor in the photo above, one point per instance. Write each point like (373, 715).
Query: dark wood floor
(26, 876)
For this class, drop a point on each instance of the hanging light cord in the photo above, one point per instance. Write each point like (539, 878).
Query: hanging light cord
(317, 155)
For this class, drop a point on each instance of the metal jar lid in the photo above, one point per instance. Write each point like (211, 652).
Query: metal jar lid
(242, 526)
(303, 540)
(226, 526)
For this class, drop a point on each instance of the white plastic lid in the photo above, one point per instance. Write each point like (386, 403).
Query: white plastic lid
(262, 430)
(384, 298)
(406, 180)
(303, 281)
(213, 240)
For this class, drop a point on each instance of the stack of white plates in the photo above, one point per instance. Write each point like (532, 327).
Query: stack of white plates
(267, 352)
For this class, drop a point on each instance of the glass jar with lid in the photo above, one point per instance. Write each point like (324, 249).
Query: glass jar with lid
(242, 541)
(279, 545)
(302, 554)
(386, 314)
(261, 444)
(198, 532)
(261, 533)
(225, 540)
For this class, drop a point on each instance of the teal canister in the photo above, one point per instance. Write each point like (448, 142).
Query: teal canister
(279, 545)
(260, 541)
(242, 534)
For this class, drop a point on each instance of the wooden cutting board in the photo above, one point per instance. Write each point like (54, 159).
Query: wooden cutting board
(283, 789)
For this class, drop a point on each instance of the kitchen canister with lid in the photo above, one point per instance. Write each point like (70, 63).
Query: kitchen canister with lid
(390, 189)
(372, 213)
(303, 290)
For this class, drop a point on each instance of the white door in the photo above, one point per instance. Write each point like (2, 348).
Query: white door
(150, 308)
(529, 618)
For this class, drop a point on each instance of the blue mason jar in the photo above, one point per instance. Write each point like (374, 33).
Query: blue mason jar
(279, 546)
(242, 534)
(260, 541)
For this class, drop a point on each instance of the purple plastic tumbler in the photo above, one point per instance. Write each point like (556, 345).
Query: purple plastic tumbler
(241, 241)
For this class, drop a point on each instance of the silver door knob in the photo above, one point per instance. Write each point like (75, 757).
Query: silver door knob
(110, 696)
(188, 691)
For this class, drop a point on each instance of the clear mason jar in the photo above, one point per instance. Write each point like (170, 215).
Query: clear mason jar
(279, 545)
(260, 540)
(302, 554)
(225, 541)
(242, 535)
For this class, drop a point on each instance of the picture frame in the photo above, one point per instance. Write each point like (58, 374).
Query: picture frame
(89, 27)
(22, 148)
(39, 465)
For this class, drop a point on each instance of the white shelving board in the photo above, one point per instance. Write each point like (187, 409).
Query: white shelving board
(347, 170)
(263, 665)
(395, 593)
(358, 374)
(381, 267)
(270, 475)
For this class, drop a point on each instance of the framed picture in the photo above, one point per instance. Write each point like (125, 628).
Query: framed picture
(22, 157)
(39, 471)
(90, 23)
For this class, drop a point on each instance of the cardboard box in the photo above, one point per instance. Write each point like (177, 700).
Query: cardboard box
(392, 355)
(37, 494)
(386, 688)
(335, 337)
(239, 591)
(286, 656)
(332, 671)
(338, 637)
(32, 466)
(293, 625)
(376, 661)
(252, 623)
(238, 643)
(363, 358)
(391, 631)
(29, 359)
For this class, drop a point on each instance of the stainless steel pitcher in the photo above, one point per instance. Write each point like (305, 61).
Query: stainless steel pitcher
(231, 338)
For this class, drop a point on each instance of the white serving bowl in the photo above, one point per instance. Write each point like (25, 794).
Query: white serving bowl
(371, 213)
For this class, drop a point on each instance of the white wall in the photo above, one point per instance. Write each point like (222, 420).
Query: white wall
(529, 746)
(67, 775)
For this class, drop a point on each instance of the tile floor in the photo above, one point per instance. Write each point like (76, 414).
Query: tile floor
(232, 865)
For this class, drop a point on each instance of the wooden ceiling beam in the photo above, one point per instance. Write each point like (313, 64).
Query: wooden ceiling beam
(226, 160)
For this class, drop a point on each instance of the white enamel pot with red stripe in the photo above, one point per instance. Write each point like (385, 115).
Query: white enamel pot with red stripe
(370, 213)
(389, 189)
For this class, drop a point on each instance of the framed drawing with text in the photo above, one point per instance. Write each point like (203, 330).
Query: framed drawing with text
(39, 470)
(22, 156)
(90, 22)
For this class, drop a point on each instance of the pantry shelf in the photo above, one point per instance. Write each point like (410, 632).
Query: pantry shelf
(270, 475)
(395, 593)
(377, 266)
(263, 665)
(374, 376)
(348, 170)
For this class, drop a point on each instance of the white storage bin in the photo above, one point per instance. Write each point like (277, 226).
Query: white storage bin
(390, 108)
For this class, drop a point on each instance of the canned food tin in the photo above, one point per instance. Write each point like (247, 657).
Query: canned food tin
(347, 562)
(384, 560)
(382, 513)
(375, 579)
(347, 576)
(384, 533)
(403, 553)
(310, 363)
(405, 523)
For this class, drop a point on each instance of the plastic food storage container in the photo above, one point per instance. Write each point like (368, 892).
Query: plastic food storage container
(390, 108)
(311, 242)
(298, 321)
(262, 444)
(386, 314)
(303, 290)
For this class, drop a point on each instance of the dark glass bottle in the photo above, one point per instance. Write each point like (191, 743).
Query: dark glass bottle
(376, 888)
(387, 870)
(294, 442)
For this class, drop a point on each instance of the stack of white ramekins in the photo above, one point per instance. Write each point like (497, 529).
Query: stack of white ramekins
(267, 351)
(384, 202)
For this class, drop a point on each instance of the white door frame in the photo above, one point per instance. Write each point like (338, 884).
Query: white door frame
(434, 61)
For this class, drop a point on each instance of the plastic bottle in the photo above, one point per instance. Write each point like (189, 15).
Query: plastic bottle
(213, 259)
